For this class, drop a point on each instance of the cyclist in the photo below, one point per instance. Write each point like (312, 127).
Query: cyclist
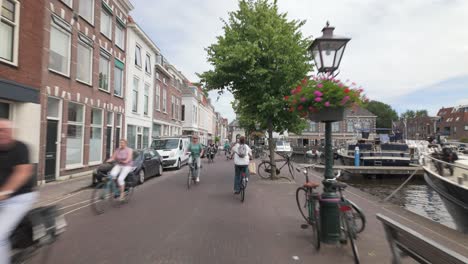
(124, 158)
(227, 148)
(196, 151)
(211, 150)
(242, 155)
(17, 194)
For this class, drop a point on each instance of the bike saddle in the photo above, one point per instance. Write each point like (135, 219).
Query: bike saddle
(311, 184)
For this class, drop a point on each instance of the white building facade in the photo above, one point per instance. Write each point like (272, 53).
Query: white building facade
(141, 56)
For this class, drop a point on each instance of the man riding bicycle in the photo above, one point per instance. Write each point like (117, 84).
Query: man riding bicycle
(196, 151)
(242, 155)
(211, 150)
(227, 147)
(17, 194)
(124, 158)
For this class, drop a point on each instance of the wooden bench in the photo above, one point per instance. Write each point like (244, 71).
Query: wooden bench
(407, 242)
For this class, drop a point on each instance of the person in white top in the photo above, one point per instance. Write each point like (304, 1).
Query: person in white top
(242, 155)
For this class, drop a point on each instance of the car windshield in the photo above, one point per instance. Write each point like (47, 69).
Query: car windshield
(165, 144)
(279, 143)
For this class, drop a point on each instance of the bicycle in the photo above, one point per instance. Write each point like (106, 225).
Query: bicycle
(192, 175)
(227, 152)
(107, 192)
(211, 154)
(264, 168)
(243, 182)
(352, 220)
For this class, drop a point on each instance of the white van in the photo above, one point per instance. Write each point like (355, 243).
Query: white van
(173, 150)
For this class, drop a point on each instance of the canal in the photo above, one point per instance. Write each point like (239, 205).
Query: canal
(415, 196)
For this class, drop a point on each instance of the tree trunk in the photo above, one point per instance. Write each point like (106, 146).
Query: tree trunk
(272, 151)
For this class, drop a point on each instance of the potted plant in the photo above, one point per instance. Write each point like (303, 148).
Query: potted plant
(324, 98)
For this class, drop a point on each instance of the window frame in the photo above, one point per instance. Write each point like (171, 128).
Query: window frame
(16, 27)
(173, 106)
(164, 103)
(146, 96)
(91, 55)
(122, 69)
(56, 26)
(104, 12)
(82, 124)
(106, 57)
(148, 64)
(65, 3)
(158, 97)
(135, 91)
(92, 12)
(91, 126)
(119, 26)
(138, 56)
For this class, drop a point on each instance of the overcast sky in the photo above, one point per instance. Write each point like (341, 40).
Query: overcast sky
(397, 47)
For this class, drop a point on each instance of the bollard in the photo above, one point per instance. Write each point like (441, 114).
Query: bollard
(460, 180)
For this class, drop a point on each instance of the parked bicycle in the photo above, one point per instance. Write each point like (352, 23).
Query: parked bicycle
(40, 228)
(193, 172)
(264, 168)
(107, 193)
(352, 219)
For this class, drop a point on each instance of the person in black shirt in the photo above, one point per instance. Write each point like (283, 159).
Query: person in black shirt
(16, 186)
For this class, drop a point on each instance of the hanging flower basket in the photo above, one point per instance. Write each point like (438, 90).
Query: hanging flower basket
(324, 98)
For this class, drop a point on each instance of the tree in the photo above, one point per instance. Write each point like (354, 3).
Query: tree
(421, 113)
(384, 112)
(258, 59)
(408, 114)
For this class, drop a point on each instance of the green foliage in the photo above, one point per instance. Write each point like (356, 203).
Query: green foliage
(409, 114)
(259, 57)
(217, 139)
(384, 112)
(320, 93)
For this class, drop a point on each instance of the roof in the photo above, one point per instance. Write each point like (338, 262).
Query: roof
(358, 111)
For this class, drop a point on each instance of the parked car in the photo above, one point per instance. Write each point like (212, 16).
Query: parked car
(173, 150)
(147, 163)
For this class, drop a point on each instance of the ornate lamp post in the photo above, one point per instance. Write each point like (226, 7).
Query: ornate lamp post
(327, 52)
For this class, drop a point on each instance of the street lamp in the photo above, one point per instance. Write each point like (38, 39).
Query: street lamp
(327, 52)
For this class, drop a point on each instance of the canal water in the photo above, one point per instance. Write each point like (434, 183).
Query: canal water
(416, 196)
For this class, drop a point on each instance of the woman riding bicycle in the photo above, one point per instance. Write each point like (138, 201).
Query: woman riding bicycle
(196, 151)
(242, 155)
(124, 158)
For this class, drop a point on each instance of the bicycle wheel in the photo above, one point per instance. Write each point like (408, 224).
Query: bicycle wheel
(301, 199)
(101, 198)
(359, 219)
(189, 179)
(264, 170)
(315, 222)
(242, 190)
(351, 235)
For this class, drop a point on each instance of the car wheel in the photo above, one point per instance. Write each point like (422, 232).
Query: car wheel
(141, 176)
(160, 171)
(178, 164)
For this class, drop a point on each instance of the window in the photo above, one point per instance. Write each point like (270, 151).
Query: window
(157, 76)
(164, 103)
(136, 83)
(148, 64)
(87, 10)
(118, 78)
(158, 97)
(75, 128)
(173, 110)
(9, 24)
(110, 119)
(68, 2)
(106, 24)
(349, 126)
(146, 99)
(131, 136)
(313, 127)
(336, 127)
(59, 54)
(84, 67)
(104, 72)
(137, 56)
(177, 109)
(466, 128)
(146, 132)
(120, 36)
(156, 130)
(183, 113)
(4, 110)
(164, 80)
(53, 108)
(95, 141)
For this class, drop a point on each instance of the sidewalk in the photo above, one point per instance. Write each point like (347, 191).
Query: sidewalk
(55, 190)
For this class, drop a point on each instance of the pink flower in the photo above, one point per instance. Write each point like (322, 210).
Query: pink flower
(361, 90)
(320, 85)
(353, 84)
(345, 99)
(303, 99)
(304, 81)
(327, 104)
(311, 108)
(346, 90)
(293, 91)
(318, 99)
(300, 107)
(340, 85)
(318, 93)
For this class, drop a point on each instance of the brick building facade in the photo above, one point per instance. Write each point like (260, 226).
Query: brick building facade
(453, 122)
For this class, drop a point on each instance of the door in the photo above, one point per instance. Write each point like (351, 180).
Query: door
(139, 141)
(51, 151)
(108, 142)
(117, 137)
